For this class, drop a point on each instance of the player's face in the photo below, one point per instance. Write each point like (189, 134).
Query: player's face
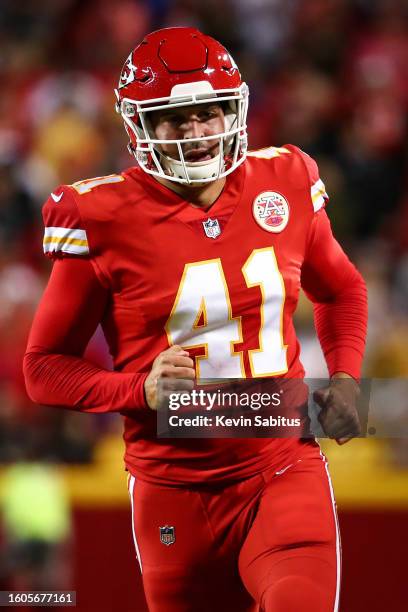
(195, 121)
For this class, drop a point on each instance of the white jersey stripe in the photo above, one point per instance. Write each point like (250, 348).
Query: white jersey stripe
(338, 540)
(66, 239)
(132, 481)
(318, 186)
(318, 195)
(268, 152)
(318, 202)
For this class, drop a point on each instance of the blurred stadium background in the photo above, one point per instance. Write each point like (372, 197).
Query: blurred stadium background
(328, 75)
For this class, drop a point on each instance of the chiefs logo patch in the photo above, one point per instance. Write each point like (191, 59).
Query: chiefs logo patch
(271, 211)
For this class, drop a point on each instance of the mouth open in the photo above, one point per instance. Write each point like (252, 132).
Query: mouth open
(197, 155)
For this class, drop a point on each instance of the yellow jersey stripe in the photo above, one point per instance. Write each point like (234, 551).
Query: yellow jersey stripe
(60, 241)
(66, 240)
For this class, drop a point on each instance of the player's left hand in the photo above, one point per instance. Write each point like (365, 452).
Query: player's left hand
(339, 416)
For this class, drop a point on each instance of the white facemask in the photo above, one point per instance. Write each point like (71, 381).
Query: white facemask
(232, 142)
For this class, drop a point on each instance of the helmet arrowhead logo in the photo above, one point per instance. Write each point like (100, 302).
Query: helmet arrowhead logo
(128, 72)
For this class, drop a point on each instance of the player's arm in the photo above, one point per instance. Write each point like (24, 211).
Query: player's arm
(55, 372)
(339, 297)
(73, 305)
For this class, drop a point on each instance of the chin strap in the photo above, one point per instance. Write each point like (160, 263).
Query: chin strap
(194, 171)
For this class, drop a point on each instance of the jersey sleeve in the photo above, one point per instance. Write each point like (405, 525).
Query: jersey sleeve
(339, 297)
(55, 372)
(64, 230)
(316, 186)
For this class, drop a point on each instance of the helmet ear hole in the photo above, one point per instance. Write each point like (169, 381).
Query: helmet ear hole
(129, 109)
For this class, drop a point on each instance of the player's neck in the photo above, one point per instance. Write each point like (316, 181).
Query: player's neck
(201, 197)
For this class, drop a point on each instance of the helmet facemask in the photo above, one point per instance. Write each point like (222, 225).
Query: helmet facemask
(147, 148)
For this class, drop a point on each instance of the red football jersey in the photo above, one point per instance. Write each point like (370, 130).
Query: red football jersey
(223, 284)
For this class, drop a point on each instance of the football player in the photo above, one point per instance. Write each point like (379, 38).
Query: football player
(192, 262)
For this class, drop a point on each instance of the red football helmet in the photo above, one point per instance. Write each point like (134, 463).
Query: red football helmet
(182, 67)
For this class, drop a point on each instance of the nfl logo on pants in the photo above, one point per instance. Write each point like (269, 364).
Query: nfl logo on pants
(167, 535)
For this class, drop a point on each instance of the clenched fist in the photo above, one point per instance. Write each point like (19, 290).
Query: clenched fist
(339, 417)
(172, 372)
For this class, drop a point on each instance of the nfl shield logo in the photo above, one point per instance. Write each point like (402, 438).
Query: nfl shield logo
(167, 535)
(212, 228)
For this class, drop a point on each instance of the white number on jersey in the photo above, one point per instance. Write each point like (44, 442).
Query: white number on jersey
(202, 317)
